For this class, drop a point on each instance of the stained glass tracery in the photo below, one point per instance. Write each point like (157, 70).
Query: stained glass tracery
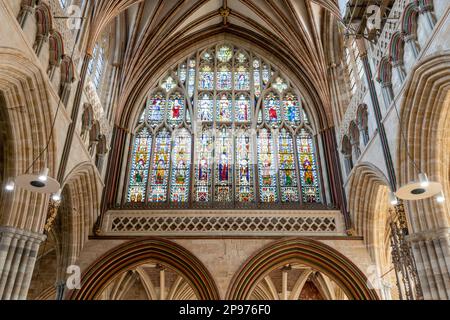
(232, 157)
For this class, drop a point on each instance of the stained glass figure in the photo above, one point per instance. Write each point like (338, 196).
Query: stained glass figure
(205, 108)
(266, 167)
(242, 79)
(224, 165)
(204, 165)
(206, 81)
(272, 114)
(286, 167)
(181, 166)
(140, 166)
(291, 110)
(191, 74)
(244, 167)
(308, 168)
(223, 108)
(243, 109)
(224, 78)
(266, 75)
(257, 77)
(160, 167)
(175, 109)
(225, 53)
(156, 107)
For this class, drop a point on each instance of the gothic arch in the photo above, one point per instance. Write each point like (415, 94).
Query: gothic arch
(425, 118)
(134, 253)
(28, 106)
(309, 252)
(369, 209)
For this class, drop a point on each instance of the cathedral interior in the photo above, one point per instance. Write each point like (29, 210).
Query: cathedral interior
(224, 150)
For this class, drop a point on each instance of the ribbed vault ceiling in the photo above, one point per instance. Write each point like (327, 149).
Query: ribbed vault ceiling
(293, 31)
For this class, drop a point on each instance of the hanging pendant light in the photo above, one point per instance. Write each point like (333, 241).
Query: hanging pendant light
(40, 183)
(419, 190)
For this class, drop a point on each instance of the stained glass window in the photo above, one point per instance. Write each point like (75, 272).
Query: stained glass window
(160, 167)
(244, 167)
(266, 167)
(224, 78)
(272, 109)
(181, 166)
(156, 109)
(206, 81)
(205, 108)
(223, 154)
(204, 164)
(291, 109)
(224, 165)
(223, 108)
(242, 79)
(286, 166)
(257, 77)
(308, 167)
(243, 108)
(139, 166)
(175, 109)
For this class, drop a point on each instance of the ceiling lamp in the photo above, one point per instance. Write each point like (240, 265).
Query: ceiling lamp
(41, 183)
(393, 199)
(10, 185)
(57, 196)
(440, 197)
(419, 190)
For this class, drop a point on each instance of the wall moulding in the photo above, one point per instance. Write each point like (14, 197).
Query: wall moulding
(223, 223)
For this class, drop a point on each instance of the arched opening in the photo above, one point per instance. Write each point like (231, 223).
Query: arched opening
(143, 253)
(300, 252)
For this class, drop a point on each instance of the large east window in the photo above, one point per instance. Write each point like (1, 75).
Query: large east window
(223, 126)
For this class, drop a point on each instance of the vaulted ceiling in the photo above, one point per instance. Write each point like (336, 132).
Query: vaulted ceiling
(295, 32)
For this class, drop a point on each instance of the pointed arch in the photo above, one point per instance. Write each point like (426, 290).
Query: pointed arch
(309, 252)
(135, 253)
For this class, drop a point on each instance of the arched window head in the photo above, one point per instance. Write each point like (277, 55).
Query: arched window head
(97, 65)
(223, 126)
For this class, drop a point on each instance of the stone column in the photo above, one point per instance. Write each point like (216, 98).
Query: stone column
(431, 20)
(411, 42)
(388, 94)
(18, 252)
(430, 241)
(398, 66)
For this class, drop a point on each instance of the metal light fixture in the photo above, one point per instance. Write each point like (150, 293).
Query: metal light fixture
(419, 190)
(57, 196)
(10, 185)
(393, 199)
(440, 197)
(43, 176)
(41, 183)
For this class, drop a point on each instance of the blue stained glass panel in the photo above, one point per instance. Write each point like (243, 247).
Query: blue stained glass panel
(243, 109)
(205, 108)
(291, 110)
(181, 166)
(242, 79)
(224, 166)
(266, 167)
(224, 78)
(244, 168)
(204, 165)
(160, 167)
(156, 107)
(140, 166)
(206, 81)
